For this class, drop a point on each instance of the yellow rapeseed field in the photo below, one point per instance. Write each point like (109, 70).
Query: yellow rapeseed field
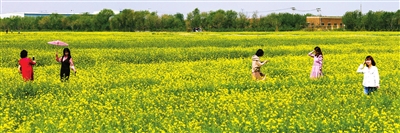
(199, 82)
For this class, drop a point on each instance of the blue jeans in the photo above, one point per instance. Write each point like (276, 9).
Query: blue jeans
(368, 90)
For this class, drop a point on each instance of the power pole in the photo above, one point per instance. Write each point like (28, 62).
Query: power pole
(293, 8)
(319, 11)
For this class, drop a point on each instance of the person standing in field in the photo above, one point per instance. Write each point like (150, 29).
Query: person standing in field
(25, 66)
(316, 71)
(66, 64)
(371, 75)
(256, 65)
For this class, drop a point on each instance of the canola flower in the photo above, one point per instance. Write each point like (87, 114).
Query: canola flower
(199, 82)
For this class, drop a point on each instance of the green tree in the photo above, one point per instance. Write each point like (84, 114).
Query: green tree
(152, 21)
(265, 25)
(15, 22)
(368, 21)
(218, 19)
(388, 18)
(4, 23)
(55, 21)
(139, 18)
(85, 22)
(103, 20)
(180, 17)
(116, 22)
(300, 21)
(28, 23)
(127, 22)
(352, 20)
(166, 21)
(44, 23)
(242, 21)
(255, 21)
(189, 19)
(205, 20)
(194, 18)
(274, 20)
(72, 22)
(396, 20)
(179, 21)
(231, 17)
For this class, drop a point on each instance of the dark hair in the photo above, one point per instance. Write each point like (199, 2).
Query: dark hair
(24, 54)
(67, 50)
(260, 52)
(372, 60)
(318, 51)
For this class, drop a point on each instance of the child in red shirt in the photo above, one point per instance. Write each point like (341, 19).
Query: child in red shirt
(25, 66)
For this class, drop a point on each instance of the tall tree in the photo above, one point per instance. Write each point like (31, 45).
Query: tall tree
(139, 18)
(255, 21)
(15, 22)
(179, 21)
(151, 22)
(196, 22)
(166, 21)
(189, 19)
(352, 20)
(218, 19)
(72, 21)
(5, 23)
(274, 20)
(55, 21)
(44, 23)
(116, 22)
(396, 20)
(85, 22)
(388, 20)
(205, 21)
(127, 20)
(103, 19)
(231, 17)
(369, 21)
(242, 21)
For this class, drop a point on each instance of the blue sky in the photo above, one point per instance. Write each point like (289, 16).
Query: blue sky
(263, 7)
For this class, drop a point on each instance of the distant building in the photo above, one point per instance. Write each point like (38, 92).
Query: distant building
(45, 14)
(41, 14)
(324, 22)
(31, 14)
(7, 15)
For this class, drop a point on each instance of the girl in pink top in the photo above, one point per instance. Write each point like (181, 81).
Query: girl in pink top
(316, 70)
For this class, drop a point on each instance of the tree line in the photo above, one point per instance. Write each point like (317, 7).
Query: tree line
(220, 20)
(372, 21)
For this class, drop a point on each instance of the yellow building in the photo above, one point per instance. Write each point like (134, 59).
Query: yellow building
(324, 22)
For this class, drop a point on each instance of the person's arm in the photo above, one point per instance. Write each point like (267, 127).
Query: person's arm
(376, 76)
(72, 65)
(320, 58)
(261, 63)
(32, 62)
(311, 54)
(19, 69)
(57, 59)
(360, 68)
(320, 61)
